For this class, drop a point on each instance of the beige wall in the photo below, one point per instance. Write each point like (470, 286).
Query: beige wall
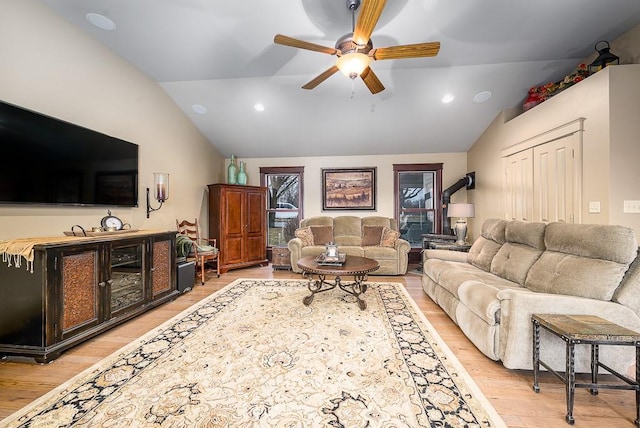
(609, 102)
(455, 167)
(50, 66)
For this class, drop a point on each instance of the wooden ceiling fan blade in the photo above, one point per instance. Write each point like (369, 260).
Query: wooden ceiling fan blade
(320, 78)
(407, 51)
(370, 12)
(371, 80)
(301, 44)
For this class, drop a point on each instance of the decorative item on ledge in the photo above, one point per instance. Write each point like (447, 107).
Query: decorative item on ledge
(604, 59)
(232, 171)
(462, 211)
(538, 94)
(242, 174)
(161, 190)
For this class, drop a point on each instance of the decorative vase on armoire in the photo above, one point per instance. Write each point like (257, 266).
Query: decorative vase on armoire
(232, 171)
(242, 174)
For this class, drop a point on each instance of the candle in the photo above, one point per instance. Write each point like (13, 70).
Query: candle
(160, 192)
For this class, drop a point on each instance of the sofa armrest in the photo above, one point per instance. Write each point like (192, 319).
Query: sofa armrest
(295, 248)
(517, 306)
(403, 246)
(451, 256)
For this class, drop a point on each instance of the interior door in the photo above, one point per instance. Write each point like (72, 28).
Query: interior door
(518, 186)
(554, 173)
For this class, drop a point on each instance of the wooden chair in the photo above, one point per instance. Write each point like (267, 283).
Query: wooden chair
(204, 250)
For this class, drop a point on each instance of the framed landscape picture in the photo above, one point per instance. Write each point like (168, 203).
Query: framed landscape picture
(349, 189)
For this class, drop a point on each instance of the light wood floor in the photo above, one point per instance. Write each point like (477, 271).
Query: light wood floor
(22, 380)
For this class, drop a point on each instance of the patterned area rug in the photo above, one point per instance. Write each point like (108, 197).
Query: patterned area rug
(253, 355)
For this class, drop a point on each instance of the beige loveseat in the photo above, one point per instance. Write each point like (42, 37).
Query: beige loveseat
(516, 269)
(356, 236)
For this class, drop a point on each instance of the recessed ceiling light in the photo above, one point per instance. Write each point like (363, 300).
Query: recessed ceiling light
(481, 97)
(447, 98)
(258, 107)
(101, 21)
(200, 109)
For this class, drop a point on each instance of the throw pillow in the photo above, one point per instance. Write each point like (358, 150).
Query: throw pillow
(389, 237)
(305, 235)
(322, 234)
(371, 236)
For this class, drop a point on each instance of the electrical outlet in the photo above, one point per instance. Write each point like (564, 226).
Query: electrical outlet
(594, 207)
(631, 207)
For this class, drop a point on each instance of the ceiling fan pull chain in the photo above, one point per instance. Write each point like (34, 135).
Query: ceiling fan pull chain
(353, 89)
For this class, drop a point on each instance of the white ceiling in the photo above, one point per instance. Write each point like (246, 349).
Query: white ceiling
(221, 55)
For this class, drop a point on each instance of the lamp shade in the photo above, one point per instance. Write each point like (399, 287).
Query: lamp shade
(461, 210)
(353, 64)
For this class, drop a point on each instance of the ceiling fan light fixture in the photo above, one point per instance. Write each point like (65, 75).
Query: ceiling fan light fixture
(353, 64)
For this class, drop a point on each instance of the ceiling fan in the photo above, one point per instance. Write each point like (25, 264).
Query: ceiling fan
(355, 50)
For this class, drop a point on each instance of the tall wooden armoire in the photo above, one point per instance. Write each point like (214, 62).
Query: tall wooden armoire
(238, 220)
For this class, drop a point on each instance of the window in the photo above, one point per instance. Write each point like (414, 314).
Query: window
(284, 202)
(418, 190)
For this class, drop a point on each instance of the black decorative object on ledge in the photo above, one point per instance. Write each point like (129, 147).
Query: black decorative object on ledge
(604, 59)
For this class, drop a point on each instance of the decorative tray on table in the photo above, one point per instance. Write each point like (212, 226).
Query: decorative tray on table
(324, 260)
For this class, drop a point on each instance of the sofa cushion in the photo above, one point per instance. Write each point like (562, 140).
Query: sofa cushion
(526, 233)
(598, 241)
(628, 293)
(389, 237)
(379, 221)
(347, 225)
(371, 235)
(305, 235)
(488, 243)
(451, 275)
(525, 243)
(317, 221)
(380, 253)
(583, 260)
(322, 234)
(354, 241)
(314, 235)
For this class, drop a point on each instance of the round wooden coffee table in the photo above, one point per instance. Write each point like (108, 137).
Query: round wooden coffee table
(358, 267)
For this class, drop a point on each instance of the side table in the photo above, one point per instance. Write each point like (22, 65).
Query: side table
(585, 330)
(280, 258)
(449, 246)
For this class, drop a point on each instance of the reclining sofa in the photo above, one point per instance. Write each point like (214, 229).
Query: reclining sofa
(516, 269)
(356, 236)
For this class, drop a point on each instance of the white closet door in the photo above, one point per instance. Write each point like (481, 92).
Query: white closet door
(518, 186)
(553, 180)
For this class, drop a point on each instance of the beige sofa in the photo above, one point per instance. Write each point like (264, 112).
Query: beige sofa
(354, 236)
(515, 269)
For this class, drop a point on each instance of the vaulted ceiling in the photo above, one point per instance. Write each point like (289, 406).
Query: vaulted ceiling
(220, 55)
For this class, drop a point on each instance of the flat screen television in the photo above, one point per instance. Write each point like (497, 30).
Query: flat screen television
(47, 161)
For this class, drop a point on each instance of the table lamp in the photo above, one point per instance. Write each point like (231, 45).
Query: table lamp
(462, 211)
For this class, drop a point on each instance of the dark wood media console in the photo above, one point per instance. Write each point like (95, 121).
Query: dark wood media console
(81, 288)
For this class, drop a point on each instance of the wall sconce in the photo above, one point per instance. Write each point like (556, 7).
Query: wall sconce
(462, 211)
(160, 190)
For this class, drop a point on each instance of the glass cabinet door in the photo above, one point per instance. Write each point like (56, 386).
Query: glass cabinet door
(127, 279)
